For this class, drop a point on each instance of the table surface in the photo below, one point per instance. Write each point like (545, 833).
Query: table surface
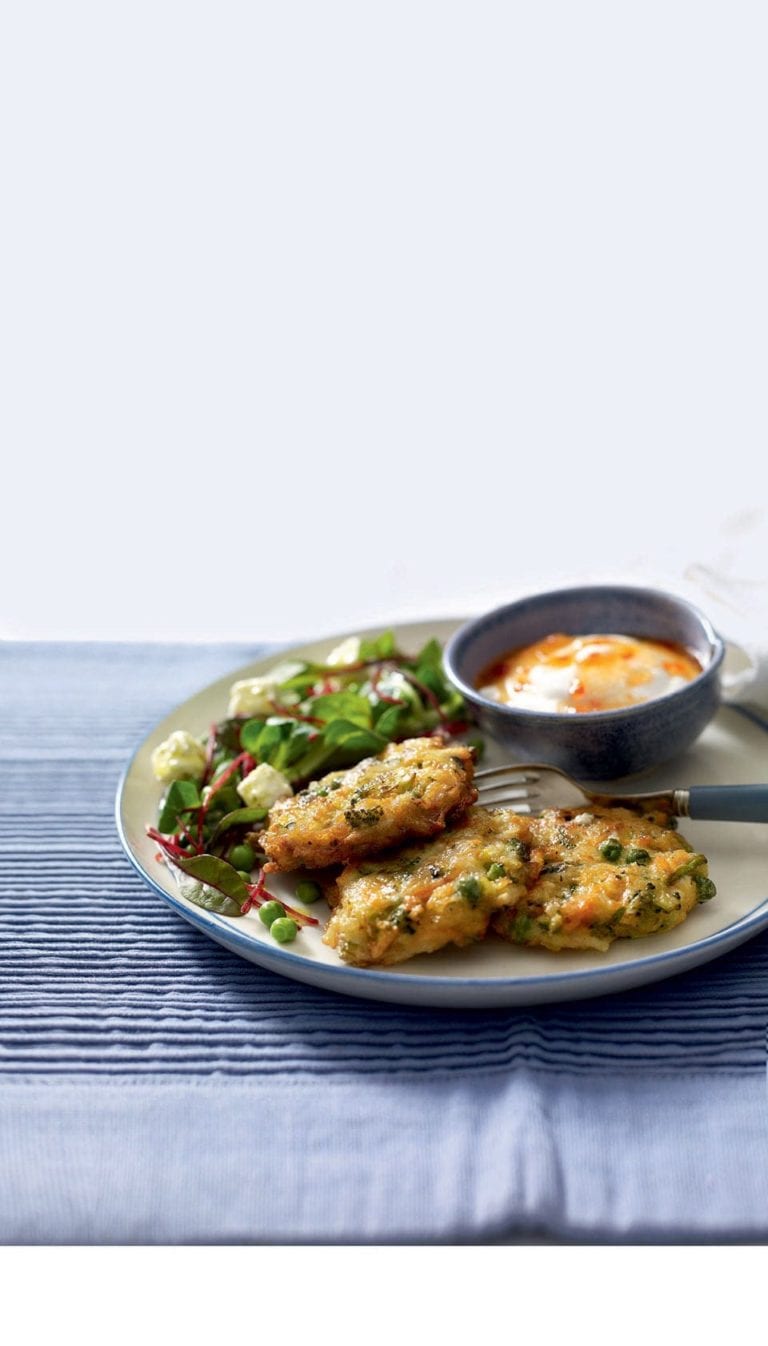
(157, 1088)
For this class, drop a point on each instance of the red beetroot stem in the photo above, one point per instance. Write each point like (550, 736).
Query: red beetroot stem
(260, 894)
(291, 713)
(221, 780)
(169, 846)
(183, 833)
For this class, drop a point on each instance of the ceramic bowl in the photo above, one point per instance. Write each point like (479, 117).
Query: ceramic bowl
(596, 745)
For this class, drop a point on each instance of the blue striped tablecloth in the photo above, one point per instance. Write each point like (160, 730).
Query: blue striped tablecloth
(155, 1088)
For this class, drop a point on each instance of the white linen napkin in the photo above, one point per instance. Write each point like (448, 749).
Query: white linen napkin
(738, 608)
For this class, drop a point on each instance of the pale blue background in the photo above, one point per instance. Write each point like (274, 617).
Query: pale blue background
(474, 290)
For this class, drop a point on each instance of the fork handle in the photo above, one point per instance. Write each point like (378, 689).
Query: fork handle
(728, 803)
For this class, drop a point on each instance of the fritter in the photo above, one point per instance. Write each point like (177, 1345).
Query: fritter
(601, 876)
(562, 880)
(412, 790)
(425, 897)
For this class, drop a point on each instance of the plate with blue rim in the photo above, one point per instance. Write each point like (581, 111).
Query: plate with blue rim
(491, 973)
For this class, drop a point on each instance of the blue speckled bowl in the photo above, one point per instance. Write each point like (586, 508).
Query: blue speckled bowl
(598, 745)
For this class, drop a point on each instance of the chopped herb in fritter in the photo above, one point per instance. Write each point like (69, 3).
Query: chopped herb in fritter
(363, 817)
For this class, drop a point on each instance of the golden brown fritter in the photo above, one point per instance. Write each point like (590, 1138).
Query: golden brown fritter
(427, 896)
(412, 790)
(603, 875)
(562, 880)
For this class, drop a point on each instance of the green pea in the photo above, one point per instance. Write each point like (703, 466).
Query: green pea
(637, 856)
(271, 912)
(496, 871)
(242, 857)
(284, 930)
(471, 889)
(522, 929)
(307, 891)
(611, 849)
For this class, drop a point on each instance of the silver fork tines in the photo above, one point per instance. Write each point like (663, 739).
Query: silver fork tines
(507, 771)
(529, 788)
(512, 784)
(486, 794)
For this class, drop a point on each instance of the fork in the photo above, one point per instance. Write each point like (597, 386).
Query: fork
(535, 786)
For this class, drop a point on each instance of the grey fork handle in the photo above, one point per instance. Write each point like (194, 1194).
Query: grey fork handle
(728, 803)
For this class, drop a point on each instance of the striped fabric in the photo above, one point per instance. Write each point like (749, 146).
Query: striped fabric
(107, 998)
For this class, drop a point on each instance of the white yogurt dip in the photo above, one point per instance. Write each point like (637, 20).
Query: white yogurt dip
(579, 674)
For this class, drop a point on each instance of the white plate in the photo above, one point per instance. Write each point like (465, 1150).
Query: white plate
(732, 750)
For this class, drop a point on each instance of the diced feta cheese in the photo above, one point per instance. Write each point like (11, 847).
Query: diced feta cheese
(263, 787)
(583, 818)
(253, 696)
(348, 652)
(179, 757)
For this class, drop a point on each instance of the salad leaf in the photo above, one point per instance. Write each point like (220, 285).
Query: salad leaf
(388, 722)
(432, 678)
(281, 741)
(430, 656)
(272, 735)
(237, 818)
(221, 888)
(182, 795)
(382, 647)
(342, 706)
(302, 682)
(452, 705)
(249, 735)
(354, 737)
(294, 745)
(228, 737)
(318, 756)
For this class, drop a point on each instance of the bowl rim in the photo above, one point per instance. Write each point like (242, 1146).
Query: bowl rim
(552, 717)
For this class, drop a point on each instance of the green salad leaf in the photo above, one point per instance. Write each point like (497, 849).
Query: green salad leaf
(354, 738)
(342, 706)
(389, 720)
(249, 735)
(219, 887)
(431, 656)
(227, 738)
(382, 647)
(182, 795)
(237, 818)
